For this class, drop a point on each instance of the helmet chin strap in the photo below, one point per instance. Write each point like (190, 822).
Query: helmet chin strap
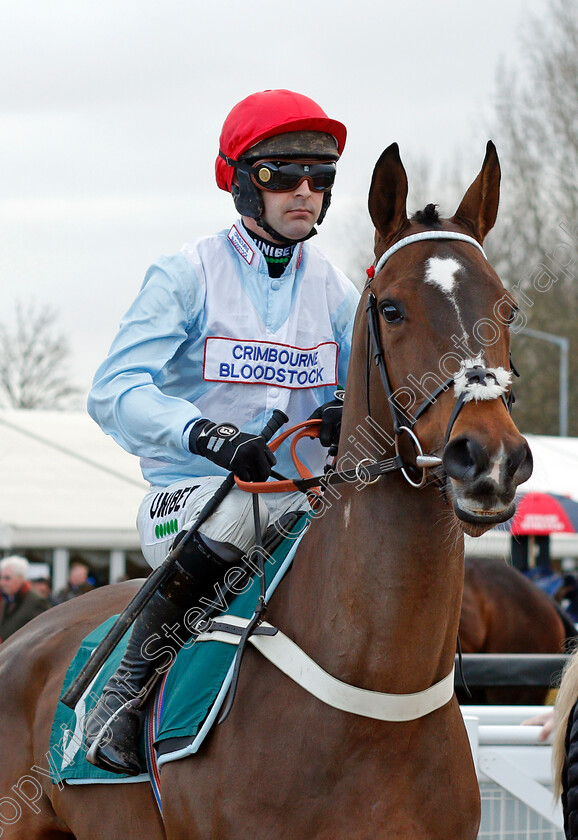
(283, 240)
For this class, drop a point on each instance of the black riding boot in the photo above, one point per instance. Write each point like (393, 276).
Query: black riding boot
(113, 728)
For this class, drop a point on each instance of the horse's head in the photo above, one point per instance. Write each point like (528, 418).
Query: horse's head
(439, 315)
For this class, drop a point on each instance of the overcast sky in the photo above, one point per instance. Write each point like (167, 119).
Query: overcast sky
(110, 113)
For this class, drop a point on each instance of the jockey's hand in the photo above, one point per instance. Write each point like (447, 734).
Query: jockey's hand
(330, 415)
(248, 456)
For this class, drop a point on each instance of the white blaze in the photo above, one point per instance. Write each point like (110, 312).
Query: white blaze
(441, 273)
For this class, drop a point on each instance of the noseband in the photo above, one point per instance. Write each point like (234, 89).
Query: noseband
(469, 376)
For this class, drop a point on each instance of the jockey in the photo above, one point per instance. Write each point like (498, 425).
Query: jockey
(232, 327)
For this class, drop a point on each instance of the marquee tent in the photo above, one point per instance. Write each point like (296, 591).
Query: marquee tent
(67, 486)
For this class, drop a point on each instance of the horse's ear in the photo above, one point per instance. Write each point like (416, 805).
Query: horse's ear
(479, 206)
(388, 193)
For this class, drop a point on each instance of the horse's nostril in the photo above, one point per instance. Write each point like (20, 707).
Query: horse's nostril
(515, 459)
(457, 459)
(464, 458)
(520, 463)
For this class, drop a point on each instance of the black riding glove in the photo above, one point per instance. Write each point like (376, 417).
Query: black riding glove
(330, 415)
(248, 456)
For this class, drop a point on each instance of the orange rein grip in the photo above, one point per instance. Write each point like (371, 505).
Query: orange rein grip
(309, 428)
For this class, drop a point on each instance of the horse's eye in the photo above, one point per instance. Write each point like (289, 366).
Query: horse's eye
(392, 314)
(513, 314)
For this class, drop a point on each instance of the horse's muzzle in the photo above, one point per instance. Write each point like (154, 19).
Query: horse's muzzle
(482, 485)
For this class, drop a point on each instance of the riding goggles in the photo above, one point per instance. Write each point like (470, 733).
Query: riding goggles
(285, 176)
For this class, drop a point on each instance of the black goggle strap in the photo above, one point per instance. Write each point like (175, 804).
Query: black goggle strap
(229, 161)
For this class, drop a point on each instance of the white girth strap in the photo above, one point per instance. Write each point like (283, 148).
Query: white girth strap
(293, 662)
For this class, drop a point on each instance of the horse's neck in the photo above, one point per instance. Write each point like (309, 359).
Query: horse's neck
(375, 591)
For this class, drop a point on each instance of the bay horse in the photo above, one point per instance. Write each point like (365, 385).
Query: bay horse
(374, 593)
(503, 611)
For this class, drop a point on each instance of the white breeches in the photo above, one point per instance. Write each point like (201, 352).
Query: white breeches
(165, 511)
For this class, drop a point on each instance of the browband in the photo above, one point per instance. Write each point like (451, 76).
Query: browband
(419, 237)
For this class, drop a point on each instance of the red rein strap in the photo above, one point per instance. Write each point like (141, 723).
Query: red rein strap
(310, 429)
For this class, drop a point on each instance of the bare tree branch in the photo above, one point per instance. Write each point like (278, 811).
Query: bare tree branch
(536, 131)
(33, 357)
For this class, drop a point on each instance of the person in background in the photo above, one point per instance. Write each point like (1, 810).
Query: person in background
(560, 724)
(78, 583)
(43, 587)
(564, 723)
(20, 604)
(567, 595)
(252, 319)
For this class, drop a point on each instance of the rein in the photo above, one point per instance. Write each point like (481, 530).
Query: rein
(364, 472)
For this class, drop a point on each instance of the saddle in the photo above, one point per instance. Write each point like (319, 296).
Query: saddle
(184, 699)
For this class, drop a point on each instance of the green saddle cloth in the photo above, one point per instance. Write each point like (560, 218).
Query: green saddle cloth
(184, 699)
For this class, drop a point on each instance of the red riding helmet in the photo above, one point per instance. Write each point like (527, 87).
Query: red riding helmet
(266, 114)
(274, 123)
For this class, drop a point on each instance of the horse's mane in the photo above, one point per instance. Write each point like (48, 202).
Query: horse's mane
(428, 216)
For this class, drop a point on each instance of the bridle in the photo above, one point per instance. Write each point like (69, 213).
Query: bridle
(368, 471)
(475, 375)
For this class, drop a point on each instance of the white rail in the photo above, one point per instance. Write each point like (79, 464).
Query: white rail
(512, 757)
